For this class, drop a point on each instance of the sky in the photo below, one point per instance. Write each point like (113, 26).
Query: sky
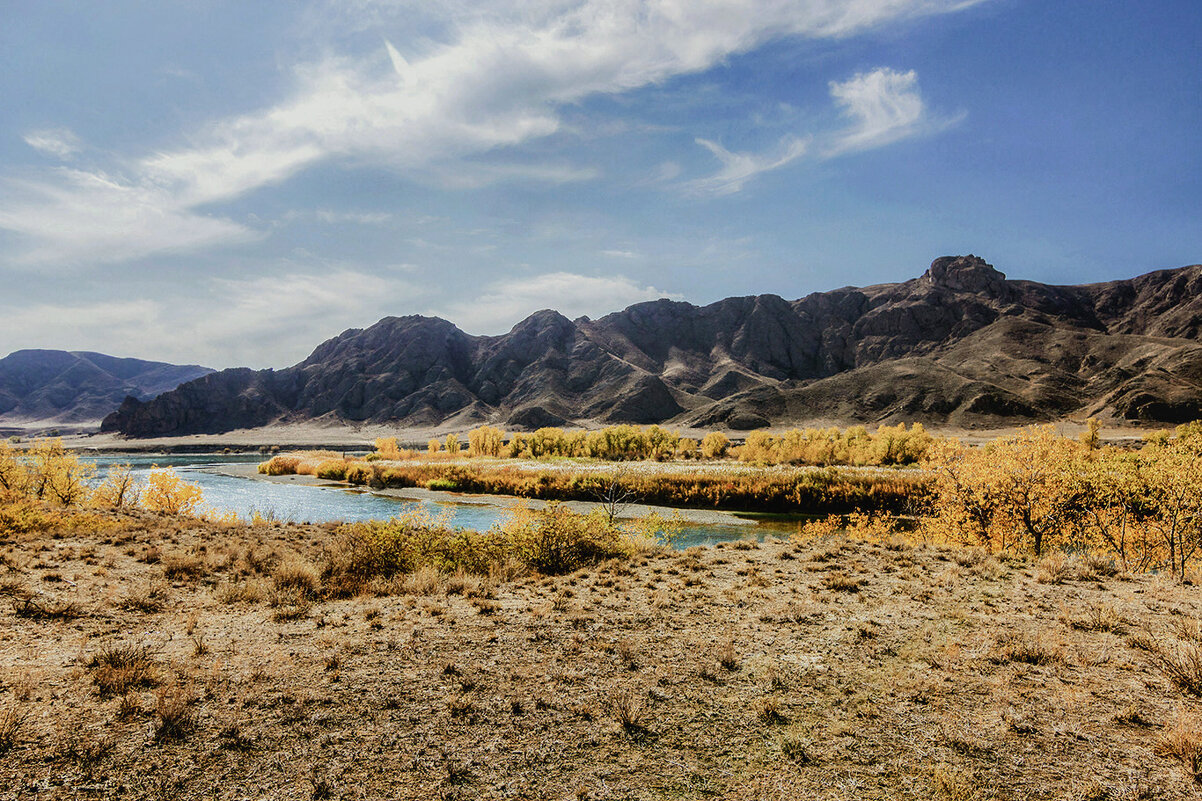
(231, 183)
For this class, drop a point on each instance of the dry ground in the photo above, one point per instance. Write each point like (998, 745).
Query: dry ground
(148, 661)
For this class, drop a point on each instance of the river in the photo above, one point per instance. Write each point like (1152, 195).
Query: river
(224, 491)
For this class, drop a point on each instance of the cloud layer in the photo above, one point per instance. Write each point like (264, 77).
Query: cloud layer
(499, 79)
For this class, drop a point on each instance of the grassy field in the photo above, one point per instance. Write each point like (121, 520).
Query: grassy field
(155, 656)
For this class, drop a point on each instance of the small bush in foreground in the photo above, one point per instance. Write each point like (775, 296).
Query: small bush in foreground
(123, 666)
(11, 721)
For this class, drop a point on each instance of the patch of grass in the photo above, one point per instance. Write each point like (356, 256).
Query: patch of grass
(12, 720)
(123, 666)
(297, 574)
(1183, 740)
(1026, 649)
(184, 567)
(842, 582)
(1053, 569)
(175, 716)
(151, 598)
(38, 609)
(1097, 617)
(289, 604)
(1180, 662)
(727, 656)
(627, 706)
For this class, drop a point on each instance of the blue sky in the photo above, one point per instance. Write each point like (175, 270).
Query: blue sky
(230, 183)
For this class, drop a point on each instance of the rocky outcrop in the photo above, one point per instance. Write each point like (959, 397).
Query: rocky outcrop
(961, 345)
(78, 387)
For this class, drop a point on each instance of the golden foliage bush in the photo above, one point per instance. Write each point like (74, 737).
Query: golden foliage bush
(167, 492)
(889, 446)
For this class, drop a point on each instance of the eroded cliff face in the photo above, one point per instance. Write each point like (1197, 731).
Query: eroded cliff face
(960, 344)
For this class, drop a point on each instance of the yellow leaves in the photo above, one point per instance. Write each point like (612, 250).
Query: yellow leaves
(119, 489)
(167, 492)
(485, 441)
(894, 445)
(714, 445)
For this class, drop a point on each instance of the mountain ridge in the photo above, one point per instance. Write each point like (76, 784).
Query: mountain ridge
(78, 387)
(958, 345)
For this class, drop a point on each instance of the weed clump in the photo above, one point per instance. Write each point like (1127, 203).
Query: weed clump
(123, 666)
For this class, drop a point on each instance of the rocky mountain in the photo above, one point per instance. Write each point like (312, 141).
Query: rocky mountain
(77, 387)
(960, 345)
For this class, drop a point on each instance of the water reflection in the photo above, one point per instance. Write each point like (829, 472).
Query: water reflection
(298, 503)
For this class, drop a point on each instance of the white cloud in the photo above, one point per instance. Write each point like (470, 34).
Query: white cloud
(884, 105)
(503, 304)
(83, 217)
(739, 168)
(331, 217)
(58, 142)
(474, 175)
(499, 80)
(269, 320)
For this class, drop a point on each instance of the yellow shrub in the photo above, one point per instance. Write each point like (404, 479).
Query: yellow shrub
(167, 492)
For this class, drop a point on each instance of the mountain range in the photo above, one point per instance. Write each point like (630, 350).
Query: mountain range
(961, 345)
(78, 387)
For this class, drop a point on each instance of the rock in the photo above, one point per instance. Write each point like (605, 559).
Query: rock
(960, 345)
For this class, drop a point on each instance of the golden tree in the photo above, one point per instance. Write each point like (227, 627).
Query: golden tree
(167, 492)
(714, 445)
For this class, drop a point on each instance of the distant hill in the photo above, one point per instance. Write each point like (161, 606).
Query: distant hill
(959, 345)
(77, 387)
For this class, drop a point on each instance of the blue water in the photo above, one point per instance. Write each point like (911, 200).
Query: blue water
(300, 503)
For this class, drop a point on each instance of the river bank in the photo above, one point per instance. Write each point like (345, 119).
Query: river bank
(628, 511)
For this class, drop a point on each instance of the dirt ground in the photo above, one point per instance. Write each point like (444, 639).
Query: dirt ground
(158, 658)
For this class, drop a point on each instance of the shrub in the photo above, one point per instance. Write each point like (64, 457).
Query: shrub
(167, 492)
(557, 540)
(122, 667)
(296, 573)
(714, 445)
(332, 469)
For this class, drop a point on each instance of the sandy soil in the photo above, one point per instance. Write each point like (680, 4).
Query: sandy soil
(828, 671)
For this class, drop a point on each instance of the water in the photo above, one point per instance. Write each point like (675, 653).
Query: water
(300, 503)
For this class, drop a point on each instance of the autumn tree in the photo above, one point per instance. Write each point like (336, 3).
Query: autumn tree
(119, 489)
(714, 445)
(167, 492)
(485, 441)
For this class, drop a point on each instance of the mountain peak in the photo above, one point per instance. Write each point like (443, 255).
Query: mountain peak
(965, 274)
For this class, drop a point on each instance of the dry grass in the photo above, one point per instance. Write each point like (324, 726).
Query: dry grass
(120, 667)
(728, 673)
(12, 720)
(1183, 741)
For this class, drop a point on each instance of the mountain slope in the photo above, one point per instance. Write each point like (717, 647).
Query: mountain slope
(79, 387)
(958, 345)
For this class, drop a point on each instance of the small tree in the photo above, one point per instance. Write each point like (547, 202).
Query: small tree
(452, 444)
(433, 446)
(167, 492)
(714, 445)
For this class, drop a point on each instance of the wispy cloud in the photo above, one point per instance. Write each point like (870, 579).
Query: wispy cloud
(83, 217)
(61, 143)
(505, 303)
(221, 322)
(739, 168)
(500, 79)
(884, 106)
